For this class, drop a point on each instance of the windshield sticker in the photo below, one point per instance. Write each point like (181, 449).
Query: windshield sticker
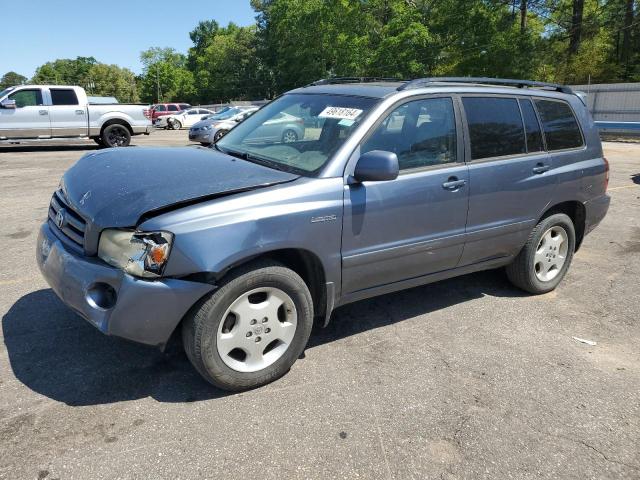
(346, 123)
(340, 112)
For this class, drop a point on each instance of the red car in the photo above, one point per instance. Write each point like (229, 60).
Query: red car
(162, 109)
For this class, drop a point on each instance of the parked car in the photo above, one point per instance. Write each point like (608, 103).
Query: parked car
(45, 112)
(161, 109)
(215, 126)
(238, 248)
(185, 118)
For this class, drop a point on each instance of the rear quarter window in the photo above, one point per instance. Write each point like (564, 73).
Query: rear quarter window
(559, 124)
(495, 126)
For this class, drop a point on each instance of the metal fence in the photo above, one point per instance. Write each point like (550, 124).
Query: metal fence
(615, 106)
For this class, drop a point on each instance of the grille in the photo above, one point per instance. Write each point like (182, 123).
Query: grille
(73, 227)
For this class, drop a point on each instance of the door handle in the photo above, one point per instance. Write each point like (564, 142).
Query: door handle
(79, 112)
(541, 168)
(43, 112)
(453, 184)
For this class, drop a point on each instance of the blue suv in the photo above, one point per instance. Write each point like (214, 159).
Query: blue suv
(238, 248)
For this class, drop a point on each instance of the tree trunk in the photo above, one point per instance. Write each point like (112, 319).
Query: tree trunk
(523, 15)
(626, 38)
(576, 27)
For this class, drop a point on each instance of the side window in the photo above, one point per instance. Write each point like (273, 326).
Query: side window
(495, 126)
(63, 96)
(173, 108)
(531, 126)
(422, 133)
(27, 98)
(192, 112)
(161, 108)
(561, 129)
(184, 106)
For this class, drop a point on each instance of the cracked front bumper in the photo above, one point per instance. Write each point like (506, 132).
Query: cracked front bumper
(141, 310)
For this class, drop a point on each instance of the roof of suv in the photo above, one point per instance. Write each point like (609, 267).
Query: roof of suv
(379, 88)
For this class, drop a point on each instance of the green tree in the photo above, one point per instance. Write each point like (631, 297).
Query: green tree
(165, 76)
(10, 79)
(111, 80)
(65, 71)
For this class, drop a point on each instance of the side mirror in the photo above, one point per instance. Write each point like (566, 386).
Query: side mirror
(376, 166)
(6, 103)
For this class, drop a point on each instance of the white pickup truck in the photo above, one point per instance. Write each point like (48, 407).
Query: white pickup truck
(46, 112)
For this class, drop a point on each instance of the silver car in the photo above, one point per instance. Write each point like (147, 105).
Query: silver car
(283, 127)
(215, 126)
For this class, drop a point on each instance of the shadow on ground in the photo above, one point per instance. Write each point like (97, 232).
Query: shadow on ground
(636, 178)
(57, 354)
(24, 147)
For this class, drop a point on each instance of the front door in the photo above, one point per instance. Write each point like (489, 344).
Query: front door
(30, 118)
(413, 225)
(68, 117)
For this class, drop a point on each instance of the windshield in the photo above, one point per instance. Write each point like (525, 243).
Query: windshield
(6, 91)
(297, 132)
(225, 114)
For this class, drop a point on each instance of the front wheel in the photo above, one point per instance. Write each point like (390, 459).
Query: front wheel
(289, 136)
(252, 329)
(116, 135)
(544, 260)
(174, 124)
(219, 134)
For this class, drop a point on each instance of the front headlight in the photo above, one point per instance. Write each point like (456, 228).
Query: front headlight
(143, 254)
(206, 127)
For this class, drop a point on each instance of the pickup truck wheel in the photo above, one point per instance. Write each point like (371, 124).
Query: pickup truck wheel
(116, 135)
(219, 134)
(544, 260)
(252, 329)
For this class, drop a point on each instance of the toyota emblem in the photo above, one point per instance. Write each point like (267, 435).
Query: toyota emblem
(60, 217)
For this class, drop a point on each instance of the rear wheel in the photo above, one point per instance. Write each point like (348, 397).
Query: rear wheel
(544, 260)
(116, 135)
(252, 329)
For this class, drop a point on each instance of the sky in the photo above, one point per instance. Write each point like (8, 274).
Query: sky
(116, 31)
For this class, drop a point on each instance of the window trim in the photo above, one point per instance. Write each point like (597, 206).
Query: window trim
(535, 112)
(460, 146)
(583, 146)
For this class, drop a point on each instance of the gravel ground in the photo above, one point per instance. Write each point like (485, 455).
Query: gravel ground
(466, 378)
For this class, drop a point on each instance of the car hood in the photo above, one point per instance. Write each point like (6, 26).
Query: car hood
(117, 187)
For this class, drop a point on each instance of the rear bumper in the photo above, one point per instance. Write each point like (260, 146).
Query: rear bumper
(142, 311)
(141, 129)
(595, 211)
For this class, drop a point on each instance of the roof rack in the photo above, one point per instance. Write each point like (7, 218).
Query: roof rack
(424, 82)
(334, 80)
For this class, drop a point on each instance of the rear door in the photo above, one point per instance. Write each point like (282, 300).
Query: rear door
(68, 117)
(30, 118)
(510, 177)
(413, 225)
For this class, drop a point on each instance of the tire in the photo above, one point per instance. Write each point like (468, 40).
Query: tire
(116, 135)
(174, 124)
(219, 134)
(267, 348)
(289, 136)
(550, 243)
(205, 144)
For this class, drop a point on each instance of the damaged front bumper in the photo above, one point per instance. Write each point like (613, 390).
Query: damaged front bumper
(114, 302)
